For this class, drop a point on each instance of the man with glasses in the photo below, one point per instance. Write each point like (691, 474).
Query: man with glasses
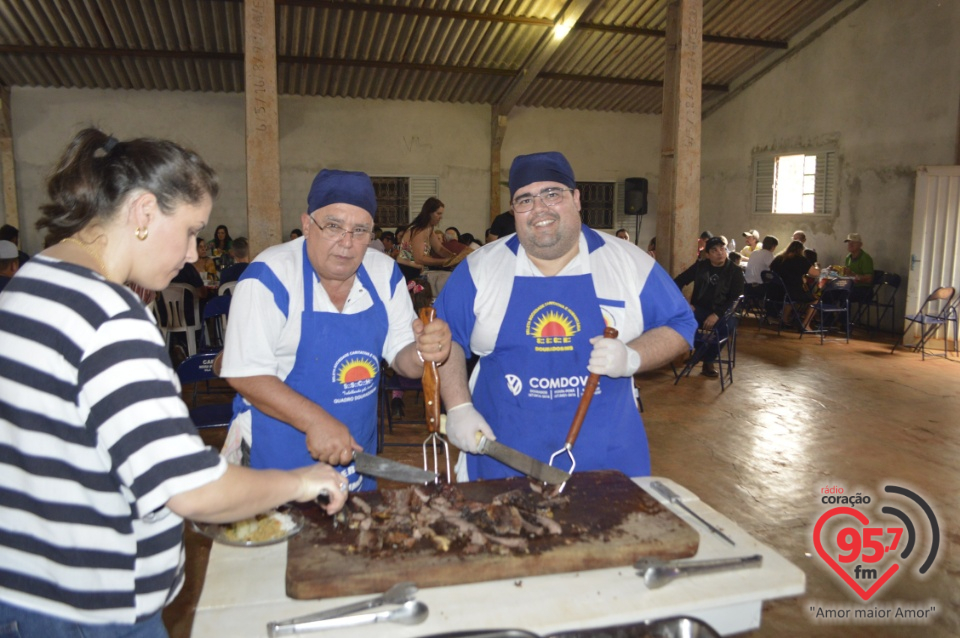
(533, 308)
(310, 321)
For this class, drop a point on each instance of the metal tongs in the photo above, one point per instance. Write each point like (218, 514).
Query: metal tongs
(410, 612)
(657, 573)
(431, 410)
(591, 386)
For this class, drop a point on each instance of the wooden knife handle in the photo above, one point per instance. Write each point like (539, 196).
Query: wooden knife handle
(588, 390)
(430, 381)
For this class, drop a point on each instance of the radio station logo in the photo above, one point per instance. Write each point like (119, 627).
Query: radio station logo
(552, 325)
(867, 552)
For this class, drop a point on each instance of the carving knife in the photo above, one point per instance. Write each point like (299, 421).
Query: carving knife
(377, 466)
(517, 460)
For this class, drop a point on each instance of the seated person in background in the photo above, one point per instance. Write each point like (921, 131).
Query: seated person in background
(376, 243)
(735, 258)
(9, 262)
(411, 269)
(241, 259)
(759, 262)
(859, 265)
(717, 284)
(701, 244)
(623, 234)
(390, 247)
(12, 234)
(752, 238)
(295, 233)
(652, 247)
(454, 245)
(503, 224)
(428, 250)
(219, 247)
(204, 265)
(792, 267)
(452, 233)
(467, 238)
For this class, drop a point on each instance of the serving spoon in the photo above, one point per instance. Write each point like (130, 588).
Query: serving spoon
(399, 594)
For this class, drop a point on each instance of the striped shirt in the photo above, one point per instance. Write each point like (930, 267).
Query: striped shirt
(94, 440)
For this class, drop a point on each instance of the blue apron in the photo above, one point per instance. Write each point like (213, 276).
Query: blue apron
(529, 387)
(338, 368)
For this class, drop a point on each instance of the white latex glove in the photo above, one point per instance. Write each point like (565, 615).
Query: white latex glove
(463, 423)
(613, 358)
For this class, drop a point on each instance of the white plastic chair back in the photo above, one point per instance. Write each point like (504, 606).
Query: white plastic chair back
(174, 302)
(227, 288)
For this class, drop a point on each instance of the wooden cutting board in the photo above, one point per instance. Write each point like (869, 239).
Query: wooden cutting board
(617, 523)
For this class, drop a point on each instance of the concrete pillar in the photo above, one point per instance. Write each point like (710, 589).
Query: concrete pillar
(263, 138)
(498, 128)
(8, 172)
(678, 214)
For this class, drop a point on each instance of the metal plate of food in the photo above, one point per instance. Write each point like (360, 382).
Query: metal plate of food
(268, 528)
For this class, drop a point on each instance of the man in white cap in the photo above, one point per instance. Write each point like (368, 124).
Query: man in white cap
(859, 265)
(533, 308)
(310, 321)
(9, 262)
(752, 238)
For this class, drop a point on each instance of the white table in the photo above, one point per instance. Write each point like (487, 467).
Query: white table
(244, 590)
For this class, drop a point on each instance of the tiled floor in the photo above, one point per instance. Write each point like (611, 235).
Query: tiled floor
(799, 417)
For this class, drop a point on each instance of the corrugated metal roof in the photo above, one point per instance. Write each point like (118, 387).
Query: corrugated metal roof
(457, 51)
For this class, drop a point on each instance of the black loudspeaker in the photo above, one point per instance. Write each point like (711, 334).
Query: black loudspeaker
(635, 196)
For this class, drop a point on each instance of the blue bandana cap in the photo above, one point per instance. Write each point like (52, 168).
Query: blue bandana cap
(540, 167)
(342, 187)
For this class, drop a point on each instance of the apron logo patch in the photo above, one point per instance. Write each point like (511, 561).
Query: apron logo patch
(552, 325)
(356, 373)
(514, 384)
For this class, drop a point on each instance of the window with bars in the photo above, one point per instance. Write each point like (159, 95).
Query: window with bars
(400, 198)
(796, 183)
(598, 202)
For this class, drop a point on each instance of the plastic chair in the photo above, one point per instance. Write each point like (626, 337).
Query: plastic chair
(175, 302)
(722, 340)
(215, 313)
(226, 290)
(775, 291)
(197, 370)
(834, 300)
(930, 319)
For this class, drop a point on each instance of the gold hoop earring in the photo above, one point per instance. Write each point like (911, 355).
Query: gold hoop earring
(141, 233)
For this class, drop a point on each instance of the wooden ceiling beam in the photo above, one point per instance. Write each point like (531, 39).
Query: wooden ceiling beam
(345, 5)
(539, 55)
(20, 49)
(656, 33)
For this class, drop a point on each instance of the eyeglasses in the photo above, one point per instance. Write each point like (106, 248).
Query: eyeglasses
(335, 232)
(549, 196)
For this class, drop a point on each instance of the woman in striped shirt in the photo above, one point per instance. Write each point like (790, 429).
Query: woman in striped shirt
(99, 462)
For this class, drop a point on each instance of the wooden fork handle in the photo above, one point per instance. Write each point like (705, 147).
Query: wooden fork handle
(588, 390)
(430, 382)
